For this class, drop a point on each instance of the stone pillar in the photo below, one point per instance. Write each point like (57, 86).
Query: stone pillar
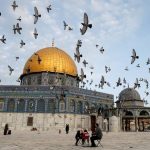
(5, 104)
(46, 105)
(113, 124)
(36, 102)
(16, 105)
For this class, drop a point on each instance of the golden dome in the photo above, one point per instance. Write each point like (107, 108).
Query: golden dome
(50, 59)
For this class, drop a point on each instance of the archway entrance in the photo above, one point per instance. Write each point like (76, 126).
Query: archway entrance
(93, 122)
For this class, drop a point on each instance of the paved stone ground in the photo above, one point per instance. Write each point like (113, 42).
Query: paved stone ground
(51, 140)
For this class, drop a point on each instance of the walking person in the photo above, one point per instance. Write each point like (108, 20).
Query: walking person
(6, 129)
(67, 128)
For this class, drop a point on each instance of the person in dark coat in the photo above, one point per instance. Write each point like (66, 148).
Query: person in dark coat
(78, 136)
(6, 129)
(97, 135)
(67, 128)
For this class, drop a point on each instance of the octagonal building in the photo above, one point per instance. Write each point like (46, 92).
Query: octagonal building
(49, 96)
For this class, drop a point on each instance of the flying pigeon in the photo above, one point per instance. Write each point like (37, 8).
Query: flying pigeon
(10, 69)
(49, 8)
(97, 45)
(136, 84)
(148, 61)
(36, 15)
(119, 82)
(17, 58)
(35, 33)
(134, 56)
(17, 28)
(79, 43)
(39, 59)
(65, 25)
(85, 24)
(19, 19)
(22, 43)
(126, 69)
(69, 28)
(85, 63)
(138, 65)
(102, 82)
(101, 50)
(14, 5)
(82, 76)
(3, 39)
(77, 55)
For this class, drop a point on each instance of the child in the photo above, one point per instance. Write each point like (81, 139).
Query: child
(77, 137)
(85, 136)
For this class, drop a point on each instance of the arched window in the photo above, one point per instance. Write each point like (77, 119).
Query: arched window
(144, 113)
(72, 105)
(61, 106)
(79, 107)
(128, 113)
(41, 105)
(11, 105)
(21, 105)
(51, 106)
(31, 105)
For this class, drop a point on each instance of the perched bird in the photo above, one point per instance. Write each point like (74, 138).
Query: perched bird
(148, 62)
(136, 84)
(102, 82)
(119, 82)
(36, 15)
(14, 5)
(17, 28)
(17, 58)
(102, 50)
(85, 63)
(3, 39)
(65, 25)
(22, 43)
(35, 33)
(19, 19)
(10, 70)
(49, 8)
(134, 56)
(77, 55)
(85, 24)
(82, 76)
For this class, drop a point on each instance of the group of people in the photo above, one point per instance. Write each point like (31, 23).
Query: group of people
(84, 135)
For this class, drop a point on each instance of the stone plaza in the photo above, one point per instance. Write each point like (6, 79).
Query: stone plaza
(52, 140)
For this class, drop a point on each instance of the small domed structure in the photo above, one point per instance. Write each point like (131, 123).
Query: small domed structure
(129, 97)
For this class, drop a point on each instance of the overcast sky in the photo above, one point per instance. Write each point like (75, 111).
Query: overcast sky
(118, 26)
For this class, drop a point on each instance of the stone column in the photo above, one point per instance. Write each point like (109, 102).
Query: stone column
(26, 105)
(16, 105)
(5, 104)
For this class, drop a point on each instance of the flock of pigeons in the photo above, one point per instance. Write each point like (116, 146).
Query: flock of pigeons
(77, 55)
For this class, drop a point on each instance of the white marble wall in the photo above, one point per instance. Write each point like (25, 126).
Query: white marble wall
(46, 121)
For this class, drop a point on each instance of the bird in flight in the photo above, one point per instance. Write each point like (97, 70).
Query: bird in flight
(136, 84)
(126, 68)
(148, 62)
(10, 70)
(17, 28)
(14, 5)
(85, 24)
(49, 8)
(22, 43)
(17, 58)
(134, 56)
(119, 82)
(65, 25)
(82, 76)
(35, 33)
(36, 15)
(85, 63)
(102, 82)
(77, 55)
(3, 39)
(102, 50)
(19, 19)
